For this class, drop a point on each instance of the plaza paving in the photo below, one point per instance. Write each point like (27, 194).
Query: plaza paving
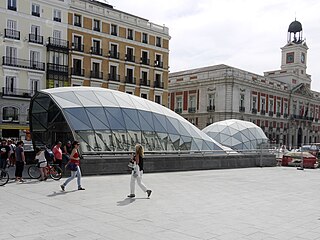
(254, 203)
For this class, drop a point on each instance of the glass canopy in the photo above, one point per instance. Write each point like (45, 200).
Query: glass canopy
(104, 120)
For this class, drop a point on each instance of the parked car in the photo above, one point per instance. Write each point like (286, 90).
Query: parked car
(294, 159)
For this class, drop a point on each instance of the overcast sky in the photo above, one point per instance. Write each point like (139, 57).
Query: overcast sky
(245, 34)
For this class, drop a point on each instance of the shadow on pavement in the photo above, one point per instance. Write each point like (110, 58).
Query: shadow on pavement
(128, 200)
(54, 194)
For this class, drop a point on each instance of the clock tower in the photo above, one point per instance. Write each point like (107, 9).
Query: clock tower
(294, 56)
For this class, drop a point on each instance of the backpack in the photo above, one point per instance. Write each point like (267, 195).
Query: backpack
(48, 154)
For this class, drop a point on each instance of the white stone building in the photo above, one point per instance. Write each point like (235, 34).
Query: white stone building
(25, 32)
(280, 102)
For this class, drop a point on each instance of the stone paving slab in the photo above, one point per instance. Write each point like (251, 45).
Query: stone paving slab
(253, 203)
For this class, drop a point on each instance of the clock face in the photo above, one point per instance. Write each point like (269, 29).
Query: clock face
(303, 57)
(290, 57)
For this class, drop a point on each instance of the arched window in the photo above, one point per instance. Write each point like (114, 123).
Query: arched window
(10, 114)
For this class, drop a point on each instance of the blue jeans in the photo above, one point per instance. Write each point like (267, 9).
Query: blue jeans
(73, 175)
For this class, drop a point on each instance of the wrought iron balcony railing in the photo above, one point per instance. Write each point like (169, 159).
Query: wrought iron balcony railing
(16, 92)
(22, 63)
(33, 38)
(77, 72)
(13, 34)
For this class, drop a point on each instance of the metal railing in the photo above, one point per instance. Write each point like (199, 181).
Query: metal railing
(16, 92)
(33, 38)
(77, 72)
(22, 63)
(13, 34)
(96, 74)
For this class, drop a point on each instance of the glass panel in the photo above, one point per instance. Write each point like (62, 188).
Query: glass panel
(124, 100)
(104, 141)
(78, 119)
(37, 123)
(159, 123)
(98, 118)
(146, 121)
(134, 137)
(69, 96)
(171, 128)
(88, 98)
(131, 119)
(87, 140)
(115, 118)
(121, 141)
(107, 100)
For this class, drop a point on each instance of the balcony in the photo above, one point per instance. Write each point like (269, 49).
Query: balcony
(271, 113)
(254, 111)
(242, 109)
(57, 69)
(211, 108)
(278, 114)
(77, 47)
(36, 14)
(96, 74)
(22, 63)
(145, 82)
(263, 112)
(35, 38)
(158, 64)
(178, 110)
(145, 61)
(56, 19)
(16, 92)
(191, 109)
(158, 84)
(78, 24)
(77, 72)
(57, 43)
(114, 77)
(114, 54)
(13, 34)
(114, 33)
(131, 80)
(96, 51)
(97, 29)
(130, 58)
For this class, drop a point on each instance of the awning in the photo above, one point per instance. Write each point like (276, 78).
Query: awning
(14, 126)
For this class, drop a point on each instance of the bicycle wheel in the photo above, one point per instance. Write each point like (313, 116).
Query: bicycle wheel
(4, 177)
(34, 172)
(55, 172)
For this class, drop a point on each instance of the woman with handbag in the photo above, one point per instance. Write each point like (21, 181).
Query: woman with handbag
(137, 171)
(74, 166)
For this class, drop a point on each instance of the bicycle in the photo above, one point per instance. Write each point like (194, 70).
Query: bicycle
(53, 170)
(4, 177)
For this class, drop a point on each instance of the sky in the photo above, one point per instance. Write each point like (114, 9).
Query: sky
(245, 34)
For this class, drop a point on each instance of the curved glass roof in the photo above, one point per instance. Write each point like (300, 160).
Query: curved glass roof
(236, 134)
(108, 120)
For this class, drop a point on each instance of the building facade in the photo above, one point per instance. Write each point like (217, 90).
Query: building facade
(280, 102)
(57, 43)
(24, 31)
(117, 50)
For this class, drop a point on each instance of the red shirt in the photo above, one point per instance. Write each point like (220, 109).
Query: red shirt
(57, 152)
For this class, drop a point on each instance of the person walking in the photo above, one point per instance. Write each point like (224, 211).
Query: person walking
(12, 157)
(74, 166)
(20, 161)
(4, 154)
(57, 152)
(42, 161)
(137, 172)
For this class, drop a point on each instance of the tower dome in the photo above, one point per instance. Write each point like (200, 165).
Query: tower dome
(295, 27)
(295, 32)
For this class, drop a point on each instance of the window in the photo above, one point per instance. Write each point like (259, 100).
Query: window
(12, 5)
(10, 85)
(129, 76)
(77, 20)
(10, 114)
(130, 34)
(35, 86)
(192, 103)
(35, 10)
(144, 95)
(129, 55)
(158, 62)
(144, 75)
(285, 108)
(144, 58)
(96, 47)
(96, 25)
(56, 15)
(34, 59)
(77, 67)
(178, 104)
(144, 38)
(11, 55)
(77, 43)
(254, 103)
(113, 73)
(263, 104)
(241, 100)
(114, 30)
(278, 106)
(56, 34)
(114, 51)
(294, 109)
(158, 41)
(11, 30)
(271, 105)
(157, 99)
